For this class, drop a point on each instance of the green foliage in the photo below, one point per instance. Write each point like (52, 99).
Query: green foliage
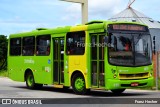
(3, 52)
(4, 73)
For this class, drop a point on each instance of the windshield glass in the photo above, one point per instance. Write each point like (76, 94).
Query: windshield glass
(130, 49)
(142, 49)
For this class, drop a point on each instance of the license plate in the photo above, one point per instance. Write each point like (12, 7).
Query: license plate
(134, 84)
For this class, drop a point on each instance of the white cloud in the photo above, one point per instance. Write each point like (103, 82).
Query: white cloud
(98, 9)
(14, 27)
(72, 13)
(25, 15)
(105, 8)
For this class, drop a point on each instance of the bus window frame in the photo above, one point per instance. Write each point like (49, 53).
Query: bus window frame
(84, 42)
(34, 39)
(15, 46)
(36, 45)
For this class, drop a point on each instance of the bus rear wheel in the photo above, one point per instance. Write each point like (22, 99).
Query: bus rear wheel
(118, 91)
(78, 84)
(30, 83)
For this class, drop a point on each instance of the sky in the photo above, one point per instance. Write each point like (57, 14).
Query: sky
(26, 15)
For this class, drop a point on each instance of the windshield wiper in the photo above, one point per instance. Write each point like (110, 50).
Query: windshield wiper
(138, 38)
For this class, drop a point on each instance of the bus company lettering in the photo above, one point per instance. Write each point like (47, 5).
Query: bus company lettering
(29, 61)
(123, 70)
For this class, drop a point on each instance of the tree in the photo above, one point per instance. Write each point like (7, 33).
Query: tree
(3, 51)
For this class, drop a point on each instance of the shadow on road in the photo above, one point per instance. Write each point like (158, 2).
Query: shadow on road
(92, 93)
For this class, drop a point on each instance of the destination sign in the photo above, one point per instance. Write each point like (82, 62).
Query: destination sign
(128, 27)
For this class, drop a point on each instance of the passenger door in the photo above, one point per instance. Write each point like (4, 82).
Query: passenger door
(58, 60)
(97, 61)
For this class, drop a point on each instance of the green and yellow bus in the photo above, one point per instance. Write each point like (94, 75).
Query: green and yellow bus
(102, 55)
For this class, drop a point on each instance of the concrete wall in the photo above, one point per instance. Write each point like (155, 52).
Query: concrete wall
(156, 32)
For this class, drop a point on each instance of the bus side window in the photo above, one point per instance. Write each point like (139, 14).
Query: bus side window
(48, 50)
(15, 46)
(43, 45)
(28, 46)
(75, 43)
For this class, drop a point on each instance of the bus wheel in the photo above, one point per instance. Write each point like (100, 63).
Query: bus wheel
(118, 91)
(78, 84)
(31, 83)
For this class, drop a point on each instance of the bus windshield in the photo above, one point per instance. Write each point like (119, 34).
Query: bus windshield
(130, 49)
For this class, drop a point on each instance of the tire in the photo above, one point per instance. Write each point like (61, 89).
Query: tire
(78, 84)
(38, 86)
(118, 91)
(30, 83)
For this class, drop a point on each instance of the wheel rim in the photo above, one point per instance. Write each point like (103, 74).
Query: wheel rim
(79, 84)
(30, 80)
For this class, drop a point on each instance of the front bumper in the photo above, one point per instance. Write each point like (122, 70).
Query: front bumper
(119, 84)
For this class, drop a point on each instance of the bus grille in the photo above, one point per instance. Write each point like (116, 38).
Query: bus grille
(134, 76)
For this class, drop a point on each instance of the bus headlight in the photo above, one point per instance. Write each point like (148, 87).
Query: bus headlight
(113, 71)
(114, 76)
(151, 74)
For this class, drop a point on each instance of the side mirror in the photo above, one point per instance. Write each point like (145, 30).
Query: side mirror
(154, 44)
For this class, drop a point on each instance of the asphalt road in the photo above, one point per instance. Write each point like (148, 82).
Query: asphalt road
(12, 89)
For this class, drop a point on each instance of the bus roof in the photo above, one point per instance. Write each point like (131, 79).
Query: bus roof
(97, 24)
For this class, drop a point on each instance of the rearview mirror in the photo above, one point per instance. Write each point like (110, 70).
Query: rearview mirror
(106, 39)
(154, 44)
